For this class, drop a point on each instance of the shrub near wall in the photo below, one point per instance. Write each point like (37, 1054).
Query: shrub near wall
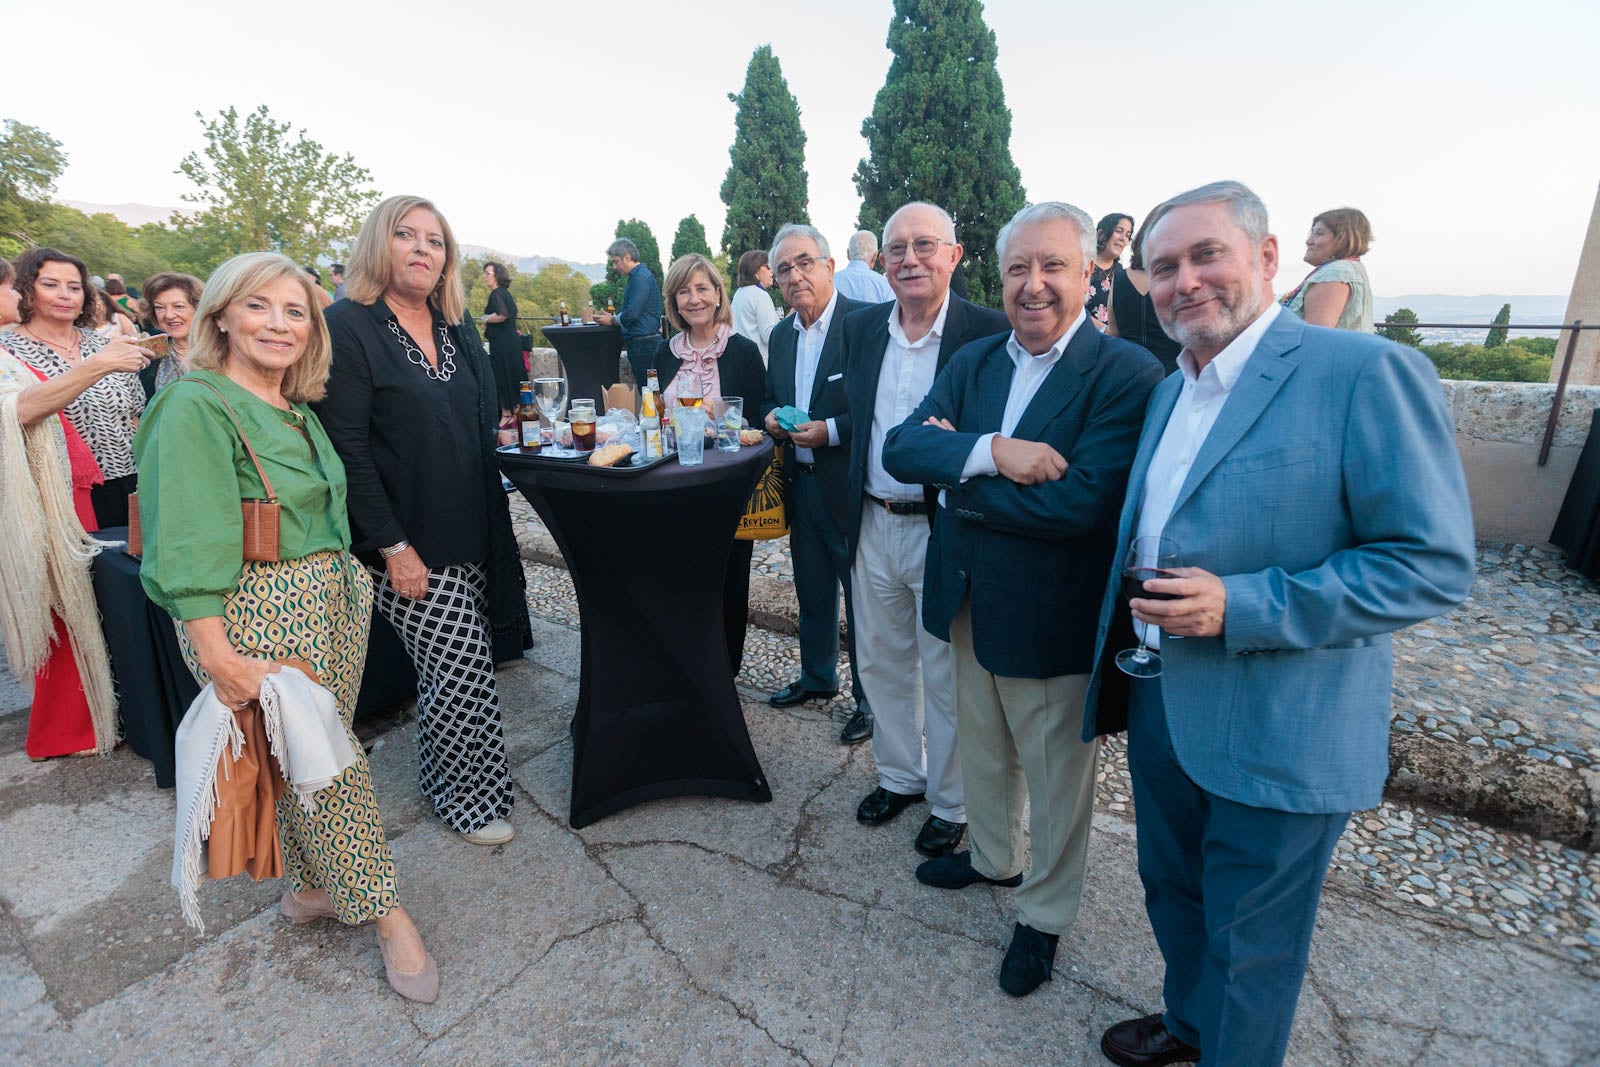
(1518, 360)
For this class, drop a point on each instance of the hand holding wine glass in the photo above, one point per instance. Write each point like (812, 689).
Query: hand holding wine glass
(1148, 558)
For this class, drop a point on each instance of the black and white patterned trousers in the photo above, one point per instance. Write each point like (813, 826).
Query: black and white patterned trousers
(461, 745)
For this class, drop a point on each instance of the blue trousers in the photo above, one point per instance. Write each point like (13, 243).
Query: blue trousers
(817, 548)
(1232, 895)
(642, 353)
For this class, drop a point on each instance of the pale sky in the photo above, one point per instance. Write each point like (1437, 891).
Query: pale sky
(1468, 132)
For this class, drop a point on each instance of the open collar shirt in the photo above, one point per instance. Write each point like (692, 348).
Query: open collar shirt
(807, 353)
(906, 376)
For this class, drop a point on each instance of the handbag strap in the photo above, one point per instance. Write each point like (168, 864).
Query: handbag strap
(266, 483)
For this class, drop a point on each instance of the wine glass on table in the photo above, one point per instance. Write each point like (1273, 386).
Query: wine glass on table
(689, 391)
(551, 394)
(1147, 558)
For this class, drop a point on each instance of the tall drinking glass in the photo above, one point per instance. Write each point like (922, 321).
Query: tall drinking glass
(730, 417)
(1147, 558)
(691, 428)
(583, 421)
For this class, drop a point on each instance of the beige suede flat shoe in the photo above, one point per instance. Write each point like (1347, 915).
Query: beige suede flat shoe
(421, 986)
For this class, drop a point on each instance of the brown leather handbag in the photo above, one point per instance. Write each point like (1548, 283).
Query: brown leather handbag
(260, 516)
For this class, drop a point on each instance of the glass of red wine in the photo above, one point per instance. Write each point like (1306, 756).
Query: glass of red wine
(1147, 558)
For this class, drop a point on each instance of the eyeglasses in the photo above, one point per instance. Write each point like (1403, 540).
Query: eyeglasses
(805, 265)
(922, 246)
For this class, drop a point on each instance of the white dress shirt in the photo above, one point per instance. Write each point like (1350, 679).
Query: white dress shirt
(860, 282)
(1196, 411)
(909, 368)
(1030, 373)
(807, 351)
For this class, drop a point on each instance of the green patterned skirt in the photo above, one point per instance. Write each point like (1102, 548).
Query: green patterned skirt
(317, 609)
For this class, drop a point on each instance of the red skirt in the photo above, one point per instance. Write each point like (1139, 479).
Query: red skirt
(59, 724)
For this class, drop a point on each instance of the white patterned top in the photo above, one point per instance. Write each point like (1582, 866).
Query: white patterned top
(106, 414)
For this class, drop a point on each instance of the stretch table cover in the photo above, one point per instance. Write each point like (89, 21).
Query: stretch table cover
(657, 713)
(591, 356)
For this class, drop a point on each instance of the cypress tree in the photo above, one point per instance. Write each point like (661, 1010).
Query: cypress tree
(766, 182)
(691, 237)
(1497, 336)
(940, 131)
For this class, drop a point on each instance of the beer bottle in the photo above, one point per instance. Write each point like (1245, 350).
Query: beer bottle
(650, 419)
(611, 306)
(566, 320)
(529, 428)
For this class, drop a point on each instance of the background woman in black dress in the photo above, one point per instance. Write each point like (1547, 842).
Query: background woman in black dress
(505, 344)
(411, 410)
(1133, 313)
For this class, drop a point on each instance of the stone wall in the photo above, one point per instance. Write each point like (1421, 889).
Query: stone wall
(1499, 426)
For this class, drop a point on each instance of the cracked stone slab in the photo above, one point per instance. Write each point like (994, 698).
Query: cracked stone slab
(643, 1008)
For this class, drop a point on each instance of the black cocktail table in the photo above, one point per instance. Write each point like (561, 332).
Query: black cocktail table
(591, 355)
(657, 713)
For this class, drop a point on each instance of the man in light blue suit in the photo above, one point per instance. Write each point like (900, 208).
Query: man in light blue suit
(1310, 480)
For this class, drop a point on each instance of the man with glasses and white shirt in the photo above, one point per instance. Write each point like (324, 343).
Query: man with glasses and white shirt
(892, 354)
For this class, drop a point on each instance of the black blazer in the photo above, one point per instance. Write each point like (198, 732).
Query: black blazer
(866, 336)
(827, 400)
(1032, 558)
(739, 372)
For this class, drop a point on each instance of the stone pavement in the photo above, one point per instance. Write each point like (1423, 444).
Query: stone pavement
(706, 931)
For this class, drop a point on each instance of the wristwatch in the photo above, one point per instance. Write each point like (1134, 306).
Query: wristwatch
(394, 549)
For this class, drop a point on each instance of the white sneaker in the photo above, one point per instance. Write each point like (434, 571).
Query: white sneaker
(494, 832)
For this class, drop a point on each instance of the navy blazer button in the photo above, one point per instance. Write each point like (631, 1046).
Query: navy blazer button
(961, 576)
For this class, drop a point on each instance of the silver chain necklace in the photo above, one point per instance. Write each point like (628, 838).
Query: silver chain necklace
(447, 351)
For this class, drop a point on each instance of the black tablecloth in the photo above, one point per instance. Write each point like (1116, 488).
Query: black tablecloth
(657, 713)
(154, 688)
(591, 355)
(1578, 526)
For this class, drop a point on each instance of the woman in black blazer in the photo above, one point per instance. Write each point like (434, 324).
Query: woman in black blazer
(726, 365)
(411, 410)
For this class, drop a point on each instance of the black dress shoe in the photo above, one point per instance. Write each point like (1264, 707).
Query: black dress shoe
(858, 729)
(939, 837)
(796, 693)
(1145, 1043)
(1028, 961)
(880, 805)
(955, 871)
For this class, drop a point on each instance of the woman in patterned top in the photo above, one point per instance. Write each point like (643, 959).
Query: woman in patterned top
(54, 338)
(1336, 293)
(260, 355)
(1111, 237)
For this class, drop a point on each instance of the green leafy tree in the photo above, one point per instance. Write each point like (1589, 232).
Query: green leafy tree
(640, 234)
(1504, 363)
(1400, 328)
(1497, 337)
(766, 182)
(691, 237)
(940, 131)
(1539, 346)
(30, 162)
(106, 244)
(261, 187)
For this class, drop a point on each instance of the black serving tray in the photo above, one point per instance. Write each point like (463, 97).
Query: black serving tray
(634, 468)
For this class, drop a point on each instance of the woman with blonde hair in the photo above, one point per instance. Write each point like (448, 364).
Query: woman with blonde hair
(411, 407)
(1336, 293)
(724, 364)
(259, 356)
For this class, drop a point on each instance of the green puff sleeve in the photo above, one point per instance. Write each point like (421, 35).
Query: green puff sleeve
(189, 502)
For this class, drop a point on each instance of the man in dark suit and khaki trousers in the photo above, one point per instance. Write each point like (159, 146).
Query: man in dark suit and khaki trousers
(805, 353)
(892, 354)
(1029, 436)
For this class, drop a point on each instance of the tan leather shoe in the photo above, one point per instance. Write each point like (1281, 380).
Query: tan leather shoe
(493, 832)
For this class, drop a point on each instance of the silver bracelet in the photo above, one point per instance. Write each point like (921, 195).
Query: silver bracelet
(394, 549)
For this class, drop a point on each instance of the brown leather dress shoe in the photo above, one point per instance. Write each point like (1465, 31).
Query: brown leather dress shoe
(1145, 1042)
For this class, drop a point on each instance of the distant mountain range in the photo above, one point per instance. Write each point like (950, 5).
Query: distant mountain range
(139, 214)
(1445, 307)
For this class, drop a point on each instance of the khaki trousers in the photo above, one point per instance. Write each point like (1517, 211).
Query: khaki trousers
(1020, 741)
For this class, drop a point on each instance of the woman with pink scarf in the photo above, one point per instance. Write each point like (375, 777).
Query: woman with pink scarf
(724, 364)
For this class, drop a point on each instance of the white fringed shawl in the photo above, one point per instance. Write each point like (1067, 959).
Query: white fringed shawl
(306, 736)
(44, 556)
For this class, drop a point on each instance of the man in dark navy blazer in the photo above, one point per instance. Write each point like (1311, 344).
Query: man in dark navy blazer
(892, 354)
(1029, 436)
(805, 353)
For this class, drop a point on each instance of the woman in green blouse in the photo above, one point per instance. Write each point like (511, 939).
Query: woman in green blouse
(260, 344)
